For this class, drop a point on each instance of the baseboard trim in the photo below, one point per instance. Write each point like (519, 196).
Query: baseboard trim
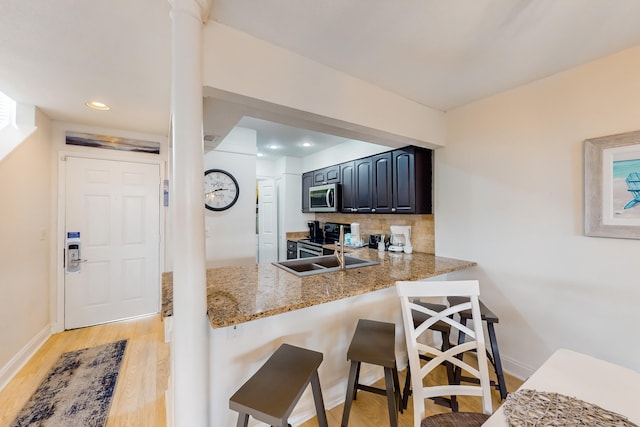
(168, 394)
(516, 368)
(22, 357)
(168, 329)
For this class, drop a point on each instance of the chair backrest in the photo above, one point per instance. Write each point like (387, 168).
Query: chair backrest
(415, 333)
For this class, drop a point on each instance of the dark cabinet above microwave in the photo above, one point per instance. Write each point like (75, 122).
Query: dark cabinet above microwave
(328, 175)
(397, 181)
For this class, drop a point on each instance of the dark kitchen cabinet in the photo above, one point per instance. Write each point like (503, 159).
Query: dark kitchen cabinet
(348, 184)
(307, 182)
(367, 185)
(363, 194)
(412, 180)
(355, 179)
(328, 175)
(397, 181)
(382, 183)
(292, 249)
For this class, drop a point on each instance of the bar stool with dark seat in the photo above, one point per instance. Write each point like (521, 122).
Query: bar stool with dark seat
(272, 393)
(494, 357)
(374, 343)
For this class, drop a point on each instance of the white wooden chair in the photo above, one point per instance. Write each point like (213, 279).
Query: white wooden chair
(408, 291)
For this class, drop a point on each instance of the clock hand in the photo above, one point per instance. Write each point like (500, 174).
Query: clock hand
(214, 191)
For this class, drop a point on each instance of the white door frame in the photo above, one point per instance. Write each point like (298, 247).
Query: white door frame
(57, 292)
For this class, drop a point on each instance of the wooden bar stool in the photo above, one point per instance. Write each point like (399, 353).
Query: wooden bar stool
(272, 393)
(494, 357)
(374, 343)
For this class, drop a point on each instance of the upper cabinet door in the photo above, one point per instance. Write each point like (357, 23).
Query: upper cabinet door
(348, 184)
(364, 193)
(412, 180)
(307, 182)
(381, 183)
(404, 187)
(328, 175)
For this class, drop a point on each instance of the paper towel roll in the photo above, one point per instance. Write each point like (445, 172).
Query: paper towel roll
(355, 233)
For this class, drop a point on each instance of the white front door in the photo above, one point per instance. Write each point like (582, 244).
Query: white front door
(112, 212)
(267, 222)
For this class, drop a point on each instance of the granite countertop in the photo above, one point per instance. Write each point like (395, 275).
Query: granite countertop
(239, 294)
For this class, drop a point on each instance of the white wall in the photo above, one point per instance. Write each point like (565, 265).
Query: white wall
(231, 234)
(25, 191)
(348, 150)
(266, 168)
(509, 195)
(290, 216)
(240, 64)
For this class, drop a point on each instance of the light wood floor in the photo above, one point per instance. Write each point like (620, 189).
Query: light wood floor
(139, 395)
(370, 410)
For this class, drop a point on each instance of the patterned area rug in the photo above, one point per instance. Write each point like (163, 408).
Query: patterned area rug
(77, 391)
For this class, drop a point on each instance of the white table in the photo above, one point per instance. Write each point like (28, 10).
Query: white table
(592, 380)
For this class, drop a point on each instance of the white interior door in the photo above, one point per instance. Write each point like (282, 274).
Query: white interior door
(115, 208)
(267, 222)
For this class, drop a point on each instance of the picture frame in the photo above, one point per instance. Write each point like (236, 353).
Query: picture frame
(112, 142)
(612, 186)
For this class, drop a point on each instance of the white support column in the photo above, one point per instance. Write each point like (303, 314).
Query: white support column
(190, 356)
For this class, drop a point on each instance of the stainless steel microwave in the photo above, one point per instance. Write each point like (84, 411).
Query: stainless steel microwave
(324, 198)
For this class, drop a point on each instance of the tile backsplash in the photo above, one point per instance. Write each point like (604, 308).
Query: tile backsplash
(422, 226)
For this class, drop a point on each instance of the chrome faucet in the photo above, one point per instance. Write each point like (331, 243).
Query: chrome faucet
(339, 252)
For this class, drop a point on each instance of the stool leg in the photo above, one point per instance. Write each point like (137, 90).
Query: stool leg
(451, 371)
(391, 397)
(243, 420)
(396, 389)
(407, 388)
(350, 393)
(356, 381)
(317, 399)
(497, 364)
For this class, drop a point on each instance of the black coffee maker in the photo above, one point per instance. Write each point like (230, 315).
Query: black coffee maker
(315, 233)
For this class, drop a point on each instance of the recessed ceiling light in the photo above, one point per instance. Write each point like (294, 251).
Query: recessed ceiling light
(260, 154)
(306, 144)
(273, 146)
(97, 105)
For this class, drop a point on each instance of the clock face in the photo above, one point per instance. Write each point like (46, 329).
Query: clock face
(220, 190)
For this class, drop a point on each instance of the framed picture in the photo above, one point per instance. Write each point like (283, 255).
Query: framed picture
(112, 142)
(612, 186)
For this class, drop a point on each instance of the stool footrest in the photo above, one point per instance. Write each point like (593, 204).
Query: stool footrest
(370, 389)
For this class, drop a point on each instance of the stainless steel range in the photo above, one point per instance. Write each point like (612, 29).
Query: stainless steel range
(313, 247)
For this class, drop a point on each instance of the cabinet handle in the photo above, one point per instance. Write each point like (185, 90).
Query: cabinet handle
(393, 209)
(373, 210)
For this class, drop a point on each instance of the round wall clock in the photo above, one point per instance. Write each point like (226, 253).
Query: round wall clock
(220, 190)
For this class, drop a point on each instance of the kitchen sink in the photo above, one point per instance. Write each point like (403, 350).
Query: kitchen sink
(321, 264)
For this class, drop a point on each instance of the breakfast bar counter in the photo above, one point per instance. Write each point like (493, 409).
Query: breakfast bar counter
(240, 294)
(253, 309)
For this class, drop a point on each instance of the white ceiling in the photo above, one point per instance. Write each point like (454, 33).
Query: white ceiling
(443, 54)
(275, 140)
